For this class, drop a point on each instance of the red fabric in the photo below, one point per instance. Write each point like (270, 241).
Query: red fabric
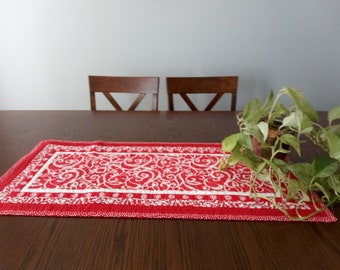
(136, 179)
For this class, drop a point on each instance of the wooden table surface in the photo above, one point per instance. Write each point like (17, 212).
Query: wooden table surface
(116, 243)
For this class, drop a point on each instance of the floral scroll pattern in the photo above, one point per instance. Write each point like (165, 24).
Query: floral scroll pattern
(132, 174)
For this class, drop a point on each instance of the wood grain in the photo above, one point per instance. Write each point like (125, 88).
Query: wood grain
(112, 243)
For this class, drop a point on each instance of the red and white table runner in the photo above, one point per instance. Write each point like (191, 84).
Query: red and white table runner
(135, 179)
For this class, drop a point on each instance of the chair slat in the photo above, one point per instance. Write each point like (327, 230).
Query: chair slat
(219, 85)
(109, 85)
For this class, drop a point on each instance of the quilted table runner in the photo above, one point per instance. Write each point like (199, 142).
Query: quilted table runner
(134, 180)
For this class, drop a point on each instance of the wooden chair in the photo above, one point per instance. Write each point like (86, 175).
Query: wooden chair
(202, 85)
(113, 84)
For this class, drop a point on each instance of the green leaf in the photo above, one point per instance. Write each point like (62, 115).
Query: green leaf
(292, 141)
(256, 133)
(294, 94)
(278, 112)
(295, 188)
(334, 183)
(263, 176)
(334, 114)
(325, 192)
(234, 158)
(269, 101)
(247, 110)
(229, 143)
(281, 174)
(302, 171)
(246, 142)
(333, 143)
(292, 120)
(240, 154)
(309, 110)
(335, 129)
(252, 112)
(324, 166)
(282, 164)
(306, 125)
(260, 167)
(301, 102)
(263, 126)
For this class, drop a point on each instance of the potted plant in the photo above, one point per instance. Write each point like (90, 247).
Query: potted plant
(272, 130)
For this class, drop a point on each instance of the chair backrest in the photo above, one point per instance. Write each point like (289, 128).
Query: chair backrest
(202, 85)
(115, 84)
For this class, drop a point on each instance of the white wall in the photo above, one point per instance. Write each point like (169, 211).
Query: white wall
(48, 48)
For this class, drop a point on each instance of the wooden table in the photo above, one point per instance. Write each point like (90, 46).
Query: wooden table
(113, 243)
